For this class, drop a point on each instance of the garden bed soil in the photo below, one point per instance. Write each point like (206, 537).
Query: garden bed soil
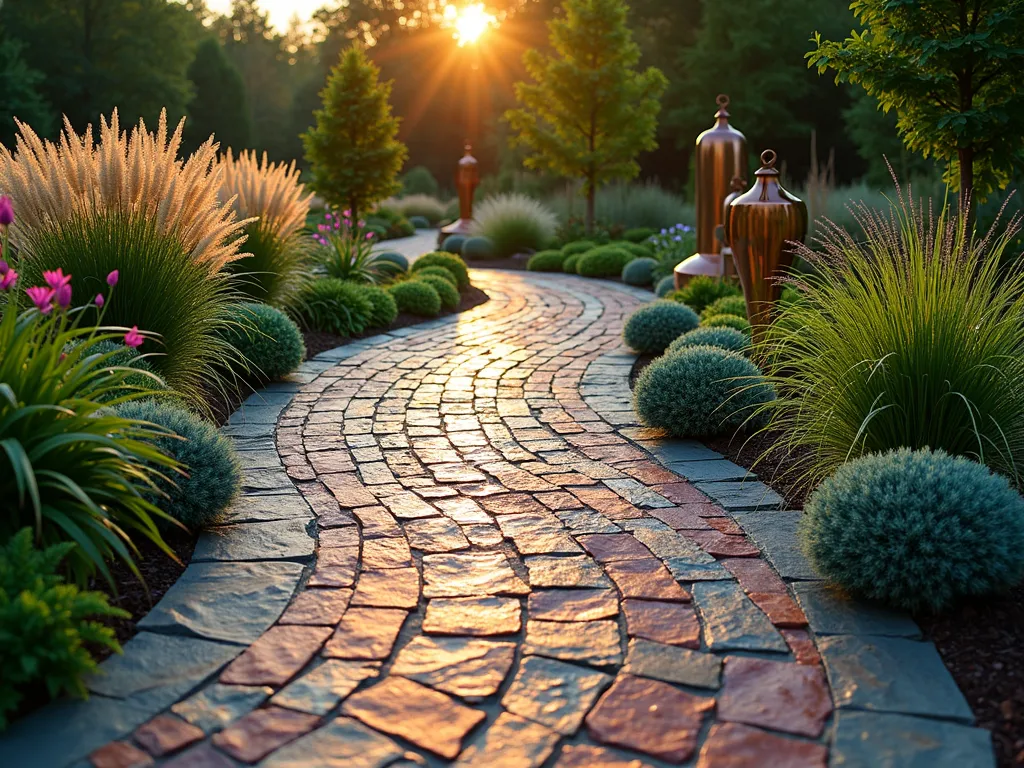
(981, 641)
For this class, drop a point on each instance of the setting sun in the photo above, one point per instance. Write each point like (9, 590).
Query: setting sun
(470, 22)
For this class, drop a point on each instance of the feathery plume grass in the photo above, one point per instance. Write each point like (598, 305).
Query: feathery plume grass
(255, 187)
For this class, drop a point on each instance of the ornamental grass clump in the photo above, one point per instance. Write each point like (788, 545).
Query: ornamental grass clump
(278, 255)
(514, 223)
(909, 335)
(654, 326)
(916, 529)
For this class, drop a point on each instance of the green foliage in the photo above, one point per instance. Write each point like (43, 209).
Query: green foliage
(626, 206)
(393, 221)
(639, 251)
(121, 356)
(268, 341)
(478, 248)
(419, 222)
(702, 290)
(639, 272)
(672, 246)
(546, 261)
(877, 139)
(384, 308)
(20, 95)
(654, 326)
(569, 265)
(335, 306)
(210, 475)
(699, 392)
(950, 71)
(46, 627)
(589, 111)
(514, 223)
(353, 150)
(665, 286)
(453, 244)
(907, 335)
(277, 268)
(400, 261)
(452, 263)
(446, 289)
(417, 298)
(724, 338)
(916, 530)
(426, 206)
(605, 261)
(638, 234)
(740, 324)
(219, 106)
(350, 256)
(441, 272)
(419, 181)
(579, 247)
(727, 305)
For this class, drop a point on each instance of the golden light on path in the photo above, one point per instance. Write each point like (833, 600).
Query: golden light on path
(469, 22)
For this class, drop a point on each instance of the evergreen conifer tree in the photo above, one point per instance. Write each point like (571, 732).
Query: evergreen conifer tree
(219, 105)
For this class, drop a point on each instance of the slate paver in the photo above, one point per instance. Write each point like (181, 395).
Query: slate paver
(671, 623)
(554, 693)
(276, 656)
(832, 614)
(510, 742)
(341, 743)
(730, 745)
(319, 690)
(217, 705)
(732, 622)
(590, 642)
(782, 696)
(875, 738)
(466, 667)
(366, 633)
(470, 574)
(476, 616)
(673, 664)
(572, 604)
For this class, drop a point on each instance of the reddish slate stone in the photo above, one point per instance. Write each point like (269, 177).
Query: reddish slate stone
(511, 503)
(333, 538)
(276, 656)
(425, 717)
(720, 545)
(781, 609)
(573, 604)
(328, 462)
(669, 623)
(613, 453)
(588, 756)
(682, 518)
(262, 731)
(802, 646)
(680, 493)
(165, 734)
(462, 666)
(474, 616)
(606, 547)
(119, 754)
(320, 607)
(510, 742)
(607, 502)
(558, 500)
(755, 575)
(649, 473)
(377, 522)
(392, 588)
(570, 478)
(726, 525)
(775, 694)
(646, 580)
(203, 756)
(335, 568)
(386, 553)
(348, 490)
(366, 633)
(730, 745)
(649, 716)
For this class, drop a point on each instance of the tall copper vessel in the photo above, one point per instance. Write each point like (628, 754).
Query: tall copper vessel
(721, 155)
(738, 187)
(467, 178)
(762, 223)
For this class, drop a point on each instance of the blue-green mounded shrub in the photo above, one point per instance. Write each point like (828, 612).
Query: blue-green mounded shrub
(701, 290)
(445, 289)
(334, 306)
(724, 338)
(639, 272)
(665, 286)
(638, 234)
(441, 272)
(740, 324)
(569, 265)
(452, 263)
(917, 530)
(214, 476)
(125, 357)
(396, 258)
(416, 298)
(269, 341)
(453, 244)
(384, 308)
(605, 261)
(478, 248)
(656, 325)
(700, 392)
(546, 261)
(637, 249)
(727, 305)
(420, 222)
(578, 247)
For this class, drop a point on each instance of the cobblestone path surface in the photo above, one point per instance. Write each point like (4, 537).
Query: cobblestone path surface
(505, 576)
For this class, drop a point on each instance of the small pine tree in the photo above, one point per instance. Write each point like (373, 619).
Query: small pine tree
(353, 149)
(589, 111)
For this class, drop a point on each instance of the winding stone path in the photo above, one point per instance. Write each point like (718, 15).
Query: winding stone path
(508, 572)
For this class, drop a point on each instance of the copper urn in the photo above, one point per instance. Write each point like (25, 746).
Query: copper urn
(721, 156)
(467, 178)
(762, 223)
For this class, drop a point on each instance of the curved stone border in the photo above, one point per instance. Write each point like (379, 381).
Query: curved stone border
(895, 702)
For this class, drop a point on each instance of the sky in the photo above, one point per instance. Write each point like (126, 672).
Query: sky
(281, 11)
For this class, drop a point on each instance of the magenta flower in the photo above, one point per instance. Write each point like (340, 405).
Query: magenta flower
(369, 235)
(41, 297)
(100, 301)
(347, 214)
(62, 295)
(56, 279)
(6, 211)
(3, 267)
(112, 278)
(133, 338)
(8, 279)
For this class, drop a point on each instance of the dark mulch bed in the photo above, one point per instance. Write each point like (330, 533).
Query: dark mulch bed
(517, 262)
(981, 641)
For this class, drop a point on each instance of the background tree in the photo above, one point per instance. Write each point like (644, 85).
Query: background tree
(877, 139)
(951, 71)
(219, 106)
(19, 94)
(589, 111)
(353, 150)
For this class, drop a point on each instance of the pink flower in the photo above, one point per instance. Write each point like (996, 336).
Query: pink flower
(369, 235)
(56, 278)
(6, 211)
(112, 278)
(100, 301)
(41, 297)
(8, 279)
(133, 338)
(347, 214)
(63, 295)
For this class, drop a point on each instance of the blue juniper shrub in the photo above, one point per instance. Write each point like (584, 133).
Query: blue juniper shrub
(639, 272)
(400, 261)
(453, 244)
(665, 286)
(478, 248)
(654, 326)
(725, 338)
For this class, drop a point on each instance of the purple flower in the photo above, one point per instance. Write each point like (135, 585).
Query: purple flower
(8, 279)
(100, 301)
(56, 278)
(62, 295)
(112, 278)
(42, 297)
(133, 338)
(3, 267)
(6, 211)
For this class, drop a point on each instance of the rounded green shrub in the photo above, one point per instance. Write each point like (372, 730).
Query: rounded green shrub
(640, 251)
(656, 325)
(126, 357)
(416, 298)
(638, 235)
(214, 476)
(727, 305)
(639, 272)
(569, 265)
(699, 392)
(396, 258)
(478, 248)
(335, 306)
(439, 272)
(420, 222)
(665, 286)
(605, 261)
(452, 263)
(723, 338)
(445, 289)
(384, 308)
(701, 290)
(727, 321)
(270, 343)
(546, 261)
(453, 244)
(578, 247)
(917, 530)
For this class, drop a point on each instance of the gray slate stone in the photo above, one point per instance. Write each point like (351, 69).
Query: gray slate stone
(714, 471)
(888, 674)
(732, 621)
(638, 494)
(273, 480)
(265, 507)
(233, 602)
(776, 534)
(684, 570)
(554, 693)
(342, 743)
(258, 459)
(256, 414)
(673, 664)
(319, 690)
(670, 452)
(830, 613)
(743, 496)
(899, 741)
(277, 540)
(212, 708)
